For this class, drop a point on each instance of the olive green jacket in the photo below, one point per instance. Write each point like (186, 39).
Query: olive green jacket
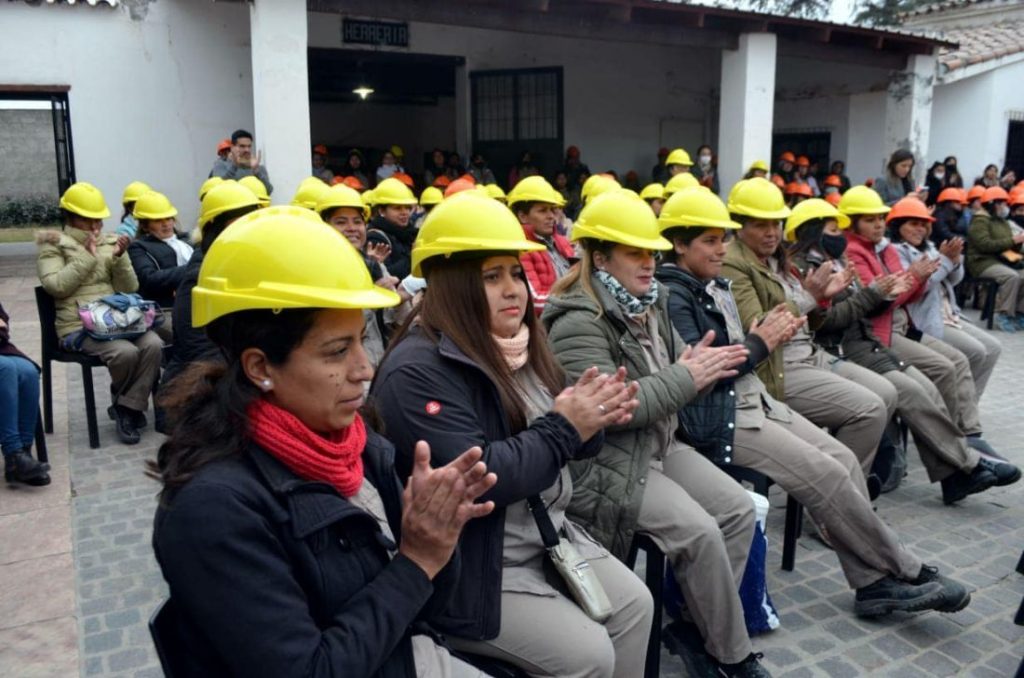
(608, 489)
(987, 238)
(72, 276)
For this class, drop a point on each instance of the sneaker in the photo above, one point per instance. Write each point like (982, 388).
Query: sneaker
(22, 467)
(126, 429)
(957, 597)
(748, 668)
(1006, 323)
(889, 594)
(683, 640)
(959, 484)
(1005, 472)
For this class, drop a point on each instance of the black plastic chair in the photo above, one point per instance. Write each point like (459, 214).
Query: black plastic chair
(52, 352)
(794, 510)
(977, 286)
(654, 577)
(41, 455)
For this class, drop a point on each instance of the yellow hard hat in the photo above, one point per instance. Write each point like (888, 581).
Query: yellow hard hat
(757, 198)
(758, 165)
(653, 192)
(494, 190)
(226, 196)
(258, 188)
(431, 195)
(678, 157)
(367, 197)
(397, 151)
(391, 191)
(597, 184)
(695, 207)
(207, 185)
(812, 208)
(153, 205)
(862, 200)
(341, 195)
(309, 192)
(617, 216)
(469, 222)
(134, 191)
(534, 189)
(679, 182)
(283, 257)
(85, 200)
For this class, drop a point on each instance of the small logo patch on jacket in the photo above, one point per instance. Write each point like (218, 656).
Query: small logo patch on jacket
(433, 407)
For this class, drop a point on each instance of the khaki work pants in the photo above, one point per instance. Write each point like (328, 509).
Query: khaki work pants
(703, 521)
(940, 443)
(949, 370)
(1009, 300)
(981, 349)
(551, 636)
(848, 406)
(133, 365)
(825, 476)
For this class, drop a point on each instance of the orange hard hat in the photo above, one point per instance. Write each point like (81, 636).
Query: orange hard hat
(778, 181)
(1017, 195)
(468, 177)
(223, 145)
(788, 156)
(353, 182)
(869, 182)
(952, 194)
(320, 149)
(833, 199)
(797, 188)
(404, 178)
(975, 193)
(803, 161)
(458, 186)
(909, 208)
(834, 180)
(338, 180)
(994, 193)
(442, 181)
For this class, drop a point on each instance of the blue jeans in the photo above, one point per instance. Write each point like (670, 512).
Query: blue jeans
(19, 403)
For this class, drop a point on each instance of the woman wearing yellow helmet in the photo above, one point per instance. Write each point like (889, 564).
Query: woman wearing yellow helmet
(610, 312)
(132, 192)
(475, 370)
(281, 517)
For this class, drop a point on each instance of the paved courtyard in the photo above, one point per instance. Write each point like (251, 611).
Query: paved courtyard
(78, 580)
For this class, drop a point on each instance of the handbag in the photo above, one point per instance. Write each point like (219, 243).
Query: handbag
(119, 316)
(579, 576)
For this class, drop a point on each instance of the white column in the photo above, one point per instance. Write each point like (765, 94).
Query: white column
(747, 107)
(908, 111)
(280, 92)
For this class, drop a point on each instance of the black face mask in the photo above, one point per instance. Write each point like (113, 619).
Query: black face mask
(833, 245)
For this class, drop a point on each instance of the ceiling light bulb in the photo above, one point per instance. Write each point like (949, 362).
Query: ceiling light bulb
(363, 91)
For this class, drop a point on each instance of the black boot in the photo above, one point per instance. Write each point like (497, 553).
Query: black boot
(889, 594)
(138, 418)
(748, 668)
(958, 485)
(956, 595)
(683, 640)
(22, 467)
(127, 431)
(1005, 472)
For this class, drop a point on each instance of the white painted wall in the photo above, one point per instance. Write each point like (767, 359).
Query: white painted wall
(970, 118)
(149, 99)
(622, 101)
(865, 157)
(747, 106)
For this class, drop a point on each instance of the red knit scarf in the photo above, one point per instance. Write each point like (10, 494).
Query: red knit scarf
(337, 460)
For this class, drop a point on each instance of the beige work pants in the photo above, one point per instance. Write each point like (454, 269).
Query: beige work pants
(949, 370)
(1009, 300)
(703, 521)
(825, 477)
(551, 636)
(133, 365)
(981, 349)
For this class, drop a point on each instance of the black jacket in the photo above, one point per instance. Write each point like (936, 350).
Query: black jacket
(433, 392)
(399, 262)
(947, 224)
(190, 343)
(276, 576)
(707, 422)
(156, 267)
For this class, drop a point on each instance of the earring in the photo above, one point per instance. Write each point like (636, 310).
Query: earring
(266, 384)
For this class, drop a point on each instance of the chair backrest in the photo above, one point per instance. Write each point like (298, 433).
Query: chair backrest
(165, 637)
(47, 310)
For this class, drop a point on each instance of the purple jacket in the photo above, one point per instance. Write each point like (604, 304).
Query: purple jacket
(6, 347)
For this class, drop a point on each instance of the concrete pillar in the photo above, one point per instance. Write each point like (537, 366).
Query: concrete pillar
(747, 107)
(280, 92)
(908, 111)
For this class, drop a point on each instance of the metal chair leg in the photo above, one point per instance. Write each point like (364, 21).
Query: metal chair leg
(655, 575)
(794, 522)
(47, 396)
(90, 408)
(41, 454)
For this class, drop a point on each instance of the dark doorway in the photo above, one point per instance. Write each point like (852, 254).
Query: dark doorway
(1015, 148)
(56, 126)
(816, 145)
(515, 111)
(412, 104)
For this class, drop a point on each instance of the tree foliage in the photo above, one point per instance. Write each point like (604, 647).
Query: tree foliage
(868, 12)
